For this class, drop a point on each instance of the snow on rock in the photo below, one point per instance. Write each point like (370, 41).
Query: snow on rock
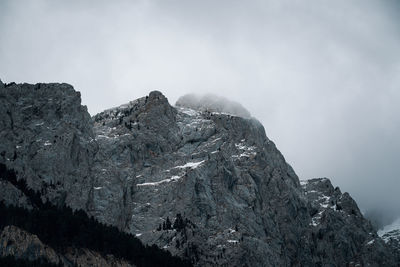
(172, 179)
(391, 227)
(188, 111)
(247, 151)
(371, 242)
(47, 143)
(192, 165)
(315, 220)
(391, 231)
(303, 182)
(213, 103)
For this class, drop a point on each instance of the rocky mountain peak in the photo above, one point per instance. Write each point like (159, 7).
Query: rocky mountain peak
(198, 181)
(158, 97)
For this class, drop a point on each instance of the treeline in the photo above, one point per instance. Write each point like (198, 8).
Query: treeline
(62, 227)
(179, 224)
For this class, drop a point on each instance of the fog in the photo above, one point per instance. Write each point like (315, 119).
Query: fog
(213, 103)
(322, 76)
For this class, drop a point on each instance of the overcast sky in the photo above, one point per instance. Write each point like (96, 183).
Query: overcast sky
(322, 76)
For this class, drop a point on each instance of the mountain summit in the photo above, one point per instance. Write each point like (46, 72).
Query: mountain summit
(204, 185)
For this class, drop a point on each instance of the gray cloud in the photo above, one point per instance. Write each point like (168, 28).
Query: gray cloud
(322, 76)
(213, 103)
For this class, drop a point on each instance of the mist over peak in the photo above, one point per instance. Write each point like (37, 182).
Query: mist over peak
(212, 103)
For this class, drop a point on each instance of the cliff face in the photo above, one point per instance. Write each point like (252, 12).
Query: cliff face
(47, 137)
(207, 186)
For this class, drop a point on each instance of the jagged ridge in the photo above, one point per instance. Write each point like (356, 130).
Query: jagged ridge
(136, 165)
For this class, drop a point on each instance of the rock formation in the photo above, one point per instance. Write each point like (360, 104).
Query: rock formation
(21, 244)
(206, 186)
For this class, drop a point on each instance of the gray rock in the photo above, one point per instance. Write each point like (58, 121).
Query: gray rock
(21, 244)
(340, 231)
(391, 236)
(47, 137)
(139, 165)
(24, 245)
(11, 195)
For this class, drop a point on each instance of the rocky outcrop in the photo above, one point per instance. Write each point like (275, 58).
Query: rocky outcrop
(220, 172)
(23, 245)
(47, 137)
(20, 244)
(393, 238)
(204, 185)
(391, 235)
(11, 195)
(83, 257)
(339, 230)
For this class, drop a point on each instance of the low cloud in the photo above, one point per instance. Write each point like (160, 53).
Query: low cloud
(212, 103)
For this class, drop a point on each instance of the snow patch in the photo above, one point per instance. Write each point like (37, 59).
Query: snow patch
(315, 221)
(231, 231)
(242, 146)
(303, 182)
(192, 165)
(215, 140)
(102, 136)
(47, 143)
(247, 151)
(172, 179)
(391, 227)
(188, 111)
(324, 205)
(391, 231)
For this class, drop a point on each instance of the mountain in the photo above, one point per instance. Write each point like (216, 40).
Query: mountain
(205, 185)
(391, 234)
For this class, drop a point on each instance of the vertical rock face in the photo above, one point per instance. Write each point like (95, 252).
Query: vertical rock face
(47, 137)
(204, 185)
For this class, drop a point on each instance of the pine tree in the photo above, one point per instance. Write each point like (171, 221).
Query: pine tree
(179, 223)
(168, 224)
